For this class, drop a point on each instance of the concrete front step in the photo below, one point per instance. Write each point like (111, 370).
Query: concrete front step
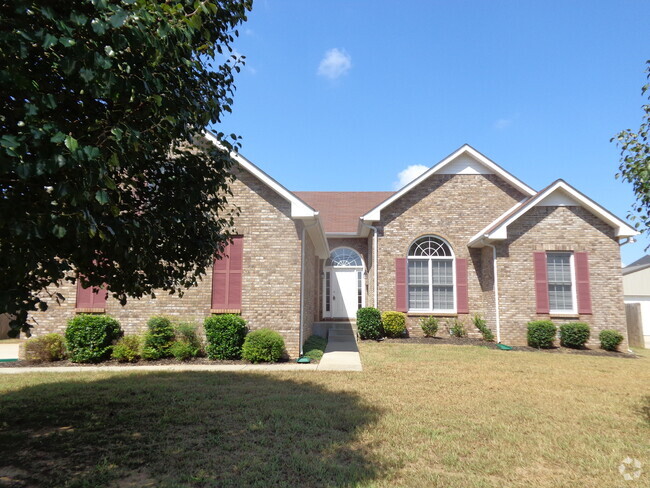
(332, 330)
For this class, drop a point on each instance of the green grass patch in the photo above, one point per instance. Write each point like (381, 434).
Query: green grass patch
(314, 347)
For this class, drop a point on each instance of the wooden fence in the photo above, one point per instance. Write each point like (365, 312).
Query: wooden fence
(634, 324)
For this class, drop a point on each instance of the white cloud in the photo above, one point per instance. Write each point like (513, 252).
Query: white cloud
(407, 175)
(334, 64)
(501, 124)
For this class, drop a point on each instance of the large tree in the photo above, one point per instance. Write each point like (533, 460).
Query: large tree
(635, 163)
(100, 102)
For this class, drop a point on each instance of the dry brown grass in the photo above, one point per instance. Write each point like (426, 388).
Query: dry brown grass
(449, 416)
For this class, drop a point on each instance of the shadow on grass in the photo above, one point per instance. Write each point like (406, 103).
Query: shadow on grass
(184, 429)
(644, 409)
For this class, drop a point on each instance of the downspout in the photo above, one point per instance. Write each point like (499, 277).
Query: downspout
(302, 282)
(374, 261)
(497, 317)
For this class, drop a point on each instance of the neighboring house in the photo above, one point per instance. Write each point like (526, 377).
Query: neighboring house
(465, 237)
(636, 288)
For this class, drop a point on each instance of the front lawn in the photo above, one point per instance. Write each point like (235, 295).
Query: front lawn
(450, 416)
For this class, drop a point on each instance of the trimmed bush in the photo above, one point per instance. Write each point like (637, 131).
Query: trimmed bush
(225, 334)
(369, 323)
(394, 324)
(127, 349)
(479, 323)
(429, 326)
(183, 350)
(610, 339)
(574, 334)
(456, 328)
(263, 345)
(158, 339)
(90, 338)
(541, 333)
(314, 347)
(50, 347)
(186, 332)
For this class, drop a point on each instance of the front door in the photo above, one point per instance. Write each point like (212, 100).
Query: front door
(344, 292)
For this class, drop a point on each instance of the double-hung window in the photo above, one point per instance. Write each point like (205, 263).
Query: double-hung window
(561, 282)
(431, 276)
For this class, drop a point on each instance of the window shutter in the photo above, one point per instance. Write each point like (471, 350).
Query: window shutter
(90, 299)
(583, 292)
(462, 298)
(541, 282)
(400, 285)
(227, 277)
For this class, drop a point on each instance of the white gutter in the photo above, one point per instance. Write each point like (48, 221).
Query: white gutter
(628, 240)
(497, 316)
(374, 260)
(302, 282)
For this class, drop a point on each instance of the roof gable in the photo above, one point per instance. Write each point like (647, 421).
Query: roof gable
(637, 265)
(465, 160)
(558, 193)
(299, 209)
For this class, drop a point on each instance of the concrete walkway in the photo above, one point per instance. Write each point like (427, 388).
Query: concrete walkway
(342, 353)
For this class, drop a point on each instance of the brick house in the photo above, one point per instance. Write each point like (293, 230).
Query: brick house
(465, 237)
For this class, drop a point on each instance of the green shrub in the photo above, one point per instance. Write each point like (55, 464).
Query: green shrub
(127, 349)
(158, 339)
(574, 334)
(394, 324)
(541, 333)
(479, 323)
(369, 323)
(183, 350)
(610, 339)
(263, 345)
(225, 334)
(90, 338)
(429, 326)
(186, 332)
(50, 347)
(314, 347)
(456, 328)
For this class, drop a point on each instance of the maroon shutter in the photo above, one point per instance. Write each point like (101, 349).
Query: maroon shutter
(400, 285)
(541, 281)
(227, 277)
(91, 297)
(583, 292)
(462, 299)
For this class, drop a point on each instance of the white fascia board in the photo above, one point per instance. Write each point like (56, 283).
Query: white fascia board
(299, 209)
(374, 215)
(341, 235)
(622, 229)
(314, 228)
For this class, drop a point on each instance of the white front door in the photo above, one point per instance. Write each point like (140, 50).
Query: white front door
(344, 297)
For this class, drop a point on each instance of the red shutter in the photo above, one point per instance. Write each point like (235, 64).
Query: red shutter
(400, 285)
(227, 277)
(541, 282)
(462, 299)
(90, 299)
(583, 292)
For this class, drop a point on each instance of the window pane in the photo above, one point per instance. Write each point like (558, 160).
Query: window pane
(443, 297)
(419, 297)
(418, 272)
(560, 297)
(442, 272)
(559, 268)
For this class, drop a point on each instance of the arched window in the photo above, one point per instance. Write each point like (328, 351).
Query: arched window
(431, 275)
(344, 256)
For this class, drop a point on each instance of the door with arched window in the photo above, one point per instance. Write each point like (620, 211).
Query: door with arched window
(343, 284)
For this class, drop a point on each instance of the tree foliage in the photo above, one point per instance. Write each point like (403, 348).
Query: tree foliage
(99, 103)
(635, 163)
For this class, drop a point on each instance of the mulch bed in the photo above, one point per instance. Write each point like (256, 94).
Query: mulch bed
(113, 362)
(468, 341)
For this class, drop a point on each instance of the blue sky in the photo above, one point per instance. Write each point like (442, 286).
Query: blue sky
(345, 95)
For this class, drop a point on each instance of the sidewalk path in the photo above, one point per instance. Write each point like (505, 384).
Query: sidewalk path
(342, 353)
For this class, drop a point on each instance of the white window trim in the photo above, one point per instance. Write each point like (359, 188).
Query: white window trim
(331, 270)
(574, 296)
(430, 284)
